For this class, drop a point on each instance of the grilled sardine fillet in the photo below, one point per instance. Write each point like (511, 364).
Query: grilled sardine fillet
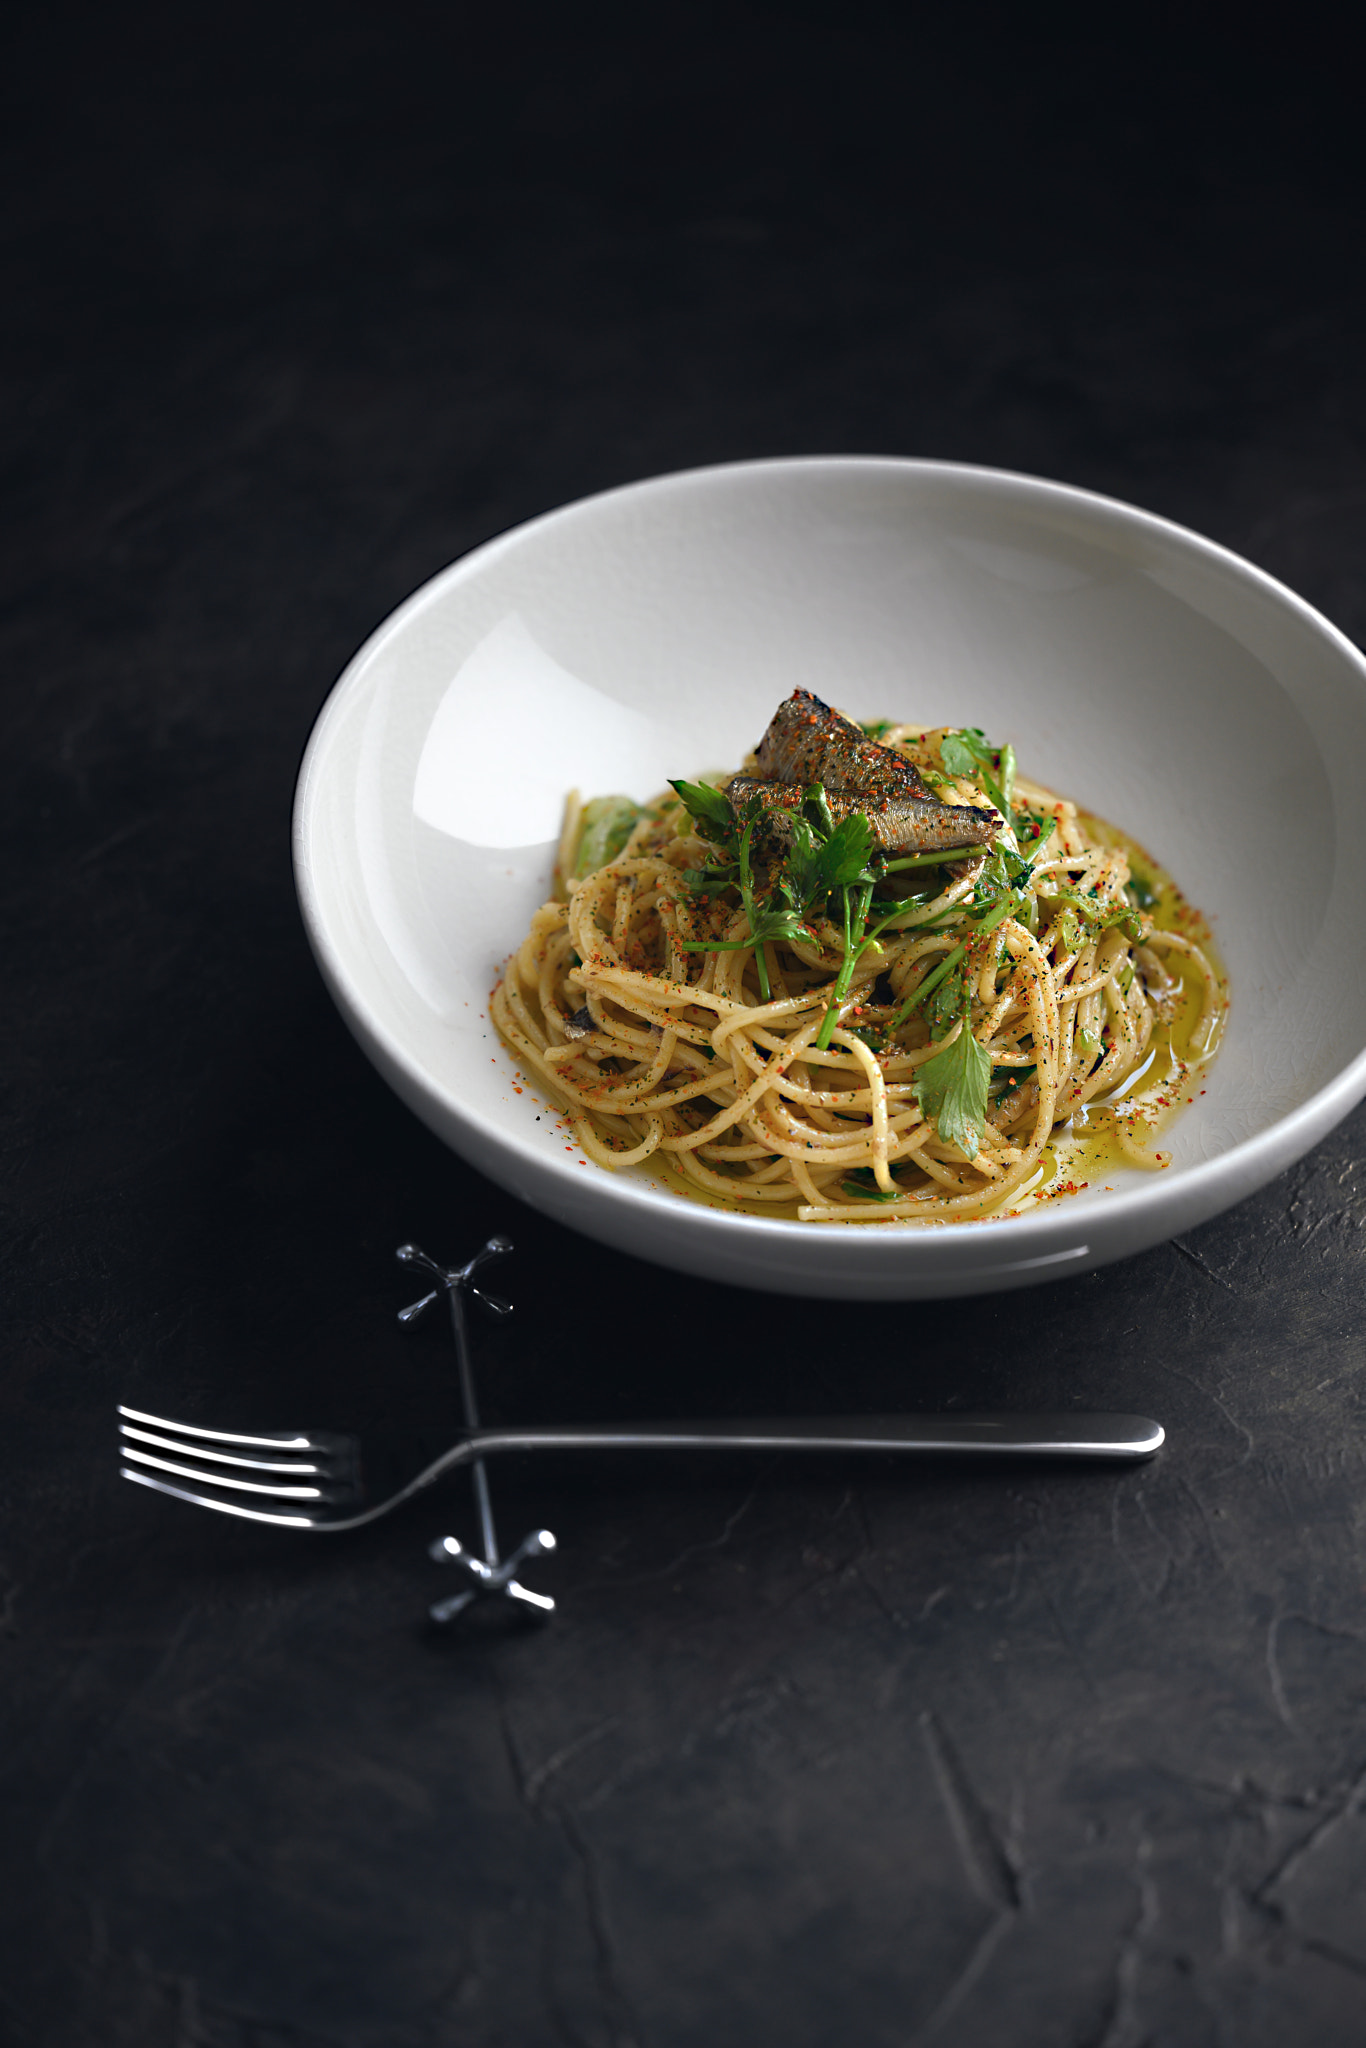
(899, 824)
(807, 742)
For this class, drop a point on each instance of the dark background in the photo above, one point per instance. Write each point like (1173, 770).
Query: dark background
(297, 307)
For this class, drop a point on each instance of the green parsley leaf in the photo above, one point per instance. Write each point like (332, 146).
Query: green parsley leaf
(844, 856)
(958, 753)
(823, 856)
(1142, 892)
(1097, 916)
(709, 881)
(803, 868)
(999, 888)
(969, 753)
(608, 822)
(777, 921)
(708, 809)
(952, 1091)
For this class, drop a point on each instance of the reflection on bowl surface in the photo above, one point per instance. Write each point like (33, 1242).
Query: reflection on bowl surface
(650, 632)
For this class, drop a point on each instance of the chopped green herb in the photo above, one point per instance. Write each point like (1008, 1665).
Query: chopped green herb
(1097, 916)
(775, 921)
(845, 853)
(709, 881)
(608, 822)
(970, 754)
(952, 1088)
(778, 919)
(709, 810)
(819, 861)
(1000, 891)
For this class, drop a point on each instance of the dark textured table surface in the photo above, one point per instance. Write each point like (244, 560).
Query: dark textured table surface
(297, 309)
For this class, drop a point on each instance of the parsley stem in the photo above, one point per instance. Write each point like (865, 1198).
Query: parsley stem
(1010, 907)
(852, 954)
(929, 860)
(928, 985)
(747, 897)
(994, 791)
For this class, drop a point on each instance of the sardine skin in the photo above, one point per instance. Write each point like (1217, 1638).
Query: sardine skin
(808, 742)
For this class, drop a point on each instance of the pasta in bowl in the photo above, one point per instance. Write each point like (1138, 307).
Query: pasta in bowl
(643, 638)
(875, 1001)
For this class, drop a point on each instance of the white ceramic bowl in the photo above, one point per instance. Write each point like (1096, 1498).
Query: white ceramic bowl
(1161, 681)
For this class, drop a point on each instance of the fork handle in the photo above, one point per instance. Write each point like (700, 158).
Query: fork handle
(976, 1435)
(1109, 1437)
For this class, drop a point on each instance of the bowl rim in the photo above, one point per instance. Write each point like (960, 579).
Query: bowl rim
(1199, 1189)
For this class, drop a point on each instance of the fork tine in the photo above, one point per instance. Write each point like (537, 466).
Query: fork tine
(279, 1442)
(169, 1443)
(223, 1479)
(223, 1507)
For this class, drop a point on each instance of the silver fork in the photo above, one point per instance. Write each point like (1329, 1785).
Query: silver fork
(312, 1479)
